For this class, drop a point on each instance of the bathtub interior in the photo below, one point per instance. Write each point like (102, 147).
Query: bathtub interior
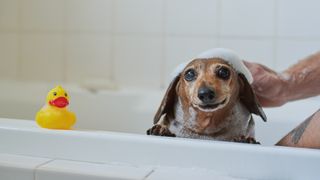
(110, 137)
(132, 110)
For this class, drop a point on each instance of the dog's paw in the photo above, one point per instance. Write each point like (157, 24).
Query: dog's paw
(158, 130)
(248, 140)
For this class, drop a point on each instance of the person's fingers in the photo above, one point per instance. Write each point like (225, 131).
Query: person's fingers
(266, 84)
(251, 66)
(247, 63)
(258, 68)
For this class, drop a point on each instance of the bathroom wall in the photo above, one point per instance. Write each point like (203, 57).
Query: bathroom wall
(137, 43)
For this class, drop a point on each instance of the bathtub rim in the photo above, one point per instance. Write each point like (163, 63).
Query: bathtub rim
(142, 150)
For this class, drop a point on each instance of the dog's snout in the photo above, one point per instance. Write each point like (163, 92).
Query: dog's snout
(206, 95)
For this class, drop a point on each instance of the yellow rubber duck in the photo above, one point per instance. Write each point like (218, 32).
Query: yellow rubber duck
(55, 115)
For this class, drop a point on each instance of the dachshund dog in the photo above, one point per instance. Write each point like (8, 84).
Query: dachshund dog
(209, 98)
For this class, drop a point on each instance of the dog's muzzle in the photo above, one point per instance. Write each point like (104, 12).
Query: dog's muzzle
(208, 99)
(206, 95)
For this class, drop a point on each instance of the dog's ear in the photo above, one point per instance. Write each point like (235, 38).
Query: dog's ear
(249, 99)
(168, 101)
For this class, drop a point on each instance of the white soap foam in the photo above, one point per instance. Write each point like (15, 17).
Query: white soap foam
(228, 55)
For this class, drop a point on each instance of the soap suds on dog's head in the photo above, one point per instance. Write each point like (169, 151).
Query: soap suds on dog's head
(228, 55)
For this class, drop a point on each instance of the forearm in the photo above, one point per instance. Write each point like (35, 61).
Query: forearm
(303, 79)
(307, 134)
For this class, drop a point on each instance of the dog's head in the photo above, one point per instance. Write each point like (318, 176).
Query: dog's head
(209, 85)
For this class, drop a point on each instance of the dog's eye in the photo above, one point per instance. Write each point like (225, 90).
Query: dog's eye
(190, 75)
(223, 73)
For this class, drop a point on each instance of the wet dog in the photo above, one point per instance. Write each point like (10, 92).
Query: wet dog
(209, 98)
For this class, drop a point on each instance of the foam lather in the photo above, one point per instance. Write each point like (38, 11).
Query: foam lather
(226, 54)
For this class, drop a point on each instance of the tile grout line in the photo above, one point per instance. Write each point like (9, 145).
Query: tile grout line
(112, 74)
(149, 174)
(64, 43)
(81, 161)
(137, 34)
(18, 74)
(218, 23)
(39, 166)
(275, 33)
(163, 50)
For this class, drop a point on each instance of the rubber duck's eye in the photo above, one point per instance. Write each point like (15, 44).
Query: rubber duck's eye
(190, 75)
(65, 94)
(54, 93)
(223, 73)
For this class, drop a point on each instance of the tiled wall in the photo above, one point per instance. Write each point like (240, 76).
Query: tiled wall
(138, 42)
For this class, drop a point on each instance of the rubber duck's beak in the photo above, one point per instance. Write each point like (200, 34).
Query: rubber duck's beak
(59, 102)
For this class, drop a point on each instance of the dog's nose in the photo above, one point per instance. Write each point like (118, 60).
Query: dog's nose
(206, 95)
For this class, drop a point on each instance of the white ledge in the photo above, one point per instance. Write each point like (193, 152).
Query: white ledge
(239, 160)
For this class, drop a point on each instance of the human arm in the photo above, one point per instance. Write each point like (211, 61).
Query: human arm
(306, 135)
(301, 80)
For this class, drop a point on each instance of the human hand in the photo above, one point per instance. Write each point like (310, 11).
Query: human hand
(269, 86)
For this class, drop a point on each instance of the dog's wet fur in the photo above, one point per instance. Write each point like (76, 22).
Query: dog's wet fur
(209, 99)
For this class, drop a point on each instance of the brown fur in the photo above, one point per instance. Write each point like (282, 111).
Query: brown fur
(184, 116)
(188, 93)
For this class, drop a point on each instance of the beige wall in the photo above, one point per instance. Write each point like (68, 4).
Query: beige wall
(138, 42)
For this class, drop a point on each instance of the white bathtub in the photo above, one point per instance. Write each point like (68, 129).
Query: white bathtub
(109, 140)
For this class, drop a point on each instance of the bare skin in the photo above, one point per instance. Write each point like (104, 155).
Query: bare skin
(300, 81)
(307, 134)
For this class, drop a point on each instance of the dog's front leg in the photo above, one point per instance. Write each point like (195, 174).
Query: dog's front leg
(160, 129)
(248, 140)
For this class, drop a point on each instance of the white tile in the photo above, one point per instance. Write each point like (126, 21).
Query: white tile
(14, 167)
(247, 18)
(138, 61)
(8, 55)
(290, 52)
(67, 170)
(255, 50)
(187, 174)
(89, 15)
(41, 57)
(191, 17)
(139, 16)
(42, 14)
(88, 57)
(9, 14)
(298, 18)
(181, 49)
